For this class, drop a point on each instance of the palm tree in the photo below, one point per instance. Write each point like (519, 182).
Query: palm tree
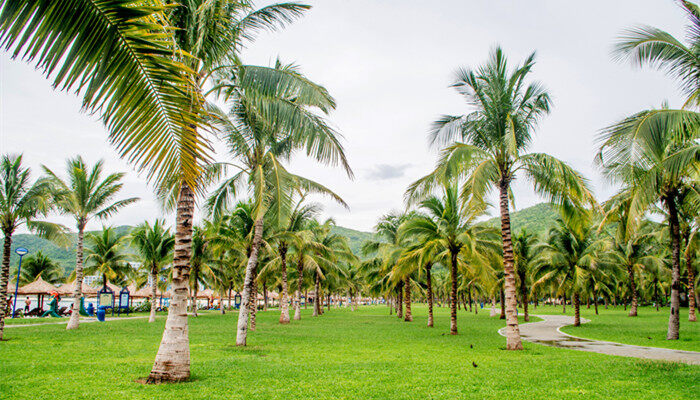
(643, 156)
(673, 131)
(388, 246)
(154, 245)
(260, 141)
(202, 260)
(491, 146)
(569, 255)
(39, 265)
(84, 195)
(21, 203)
(106, 256)
(524, 245)
(450, 227)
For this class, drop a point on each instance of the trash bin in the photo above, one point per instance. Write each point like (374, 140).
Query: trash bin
(101, 311)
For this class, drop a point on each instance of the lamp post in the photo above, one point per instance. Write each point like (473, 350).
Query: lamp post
(21, 251)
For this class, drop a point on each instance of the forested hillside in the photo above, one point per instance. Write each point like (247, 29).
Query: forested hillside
(536, 219)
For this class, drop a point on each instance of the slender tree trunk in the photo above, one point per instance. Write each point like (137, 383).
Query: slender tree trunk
(595, 302)
(253, 309)
(453, 292)
(577, 310)
(264, 288)
(300, 280)
(4, 279)
(306, 299)
(154, 279)
(243, 312)
(469, 296)
(408, 317)
(172, 362)
(633, 291)
(526, 314)
(399, 302)
(328, 304)
(691, 289)
(493, 312)
(284, 298)
(390, 303)
(317, 297)
(674, 317)
(74, 321)
(195, 291)
(563, 304)
(512, 329)
(503, 306)
(429, 283)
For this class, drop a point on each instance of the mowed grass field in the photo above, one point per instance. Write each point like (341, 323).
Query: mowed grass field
(365, 354)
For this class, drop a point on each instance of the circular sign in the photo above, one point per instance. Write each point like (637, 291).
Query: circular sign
(21, 251)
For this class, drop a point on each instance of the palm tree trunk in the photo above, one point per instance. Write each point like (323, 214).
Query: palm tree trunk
(306, 299)
(154, 279)
(453, 292)
(577, 310)
(512, 329)
(674, 317)
(633, 291)
(194, 300)
(4, 279)
(172, 362)
(317, 297)
(563, 304)
(253, 308)
(399, 303)
(493, 307)
(469, 297)
(328, 304)
(430, 294)
(300, 280)
(264, 288)
(526, 314)
(503, 306)
(284, 306)
(691, 289)
(74, 321)
(595, 302)
(408, 317)
(243, 314)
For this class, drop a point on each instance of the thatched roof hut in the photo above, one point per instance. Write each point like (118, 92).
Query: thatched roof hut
(205, 294)
(39, 286)
(143, 293)
(67, 289)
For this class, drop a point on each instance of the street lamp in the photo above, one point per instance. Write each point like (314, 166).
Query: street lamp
(21, 251)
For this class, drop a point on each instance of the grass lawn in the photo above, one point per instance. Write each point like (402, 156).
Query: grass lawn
(342, 355)
(647, 329)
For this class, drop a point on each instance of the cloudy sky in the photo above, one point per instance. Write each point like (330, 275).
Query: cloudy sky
(389, 65)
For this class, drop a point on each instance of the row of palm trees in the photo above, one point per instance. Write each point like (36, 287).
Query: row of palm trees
(653, 156)
(155, 72)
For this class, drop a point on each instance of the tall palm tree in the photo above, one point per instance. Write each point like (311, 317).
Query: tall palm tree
(651, 46)
(39, 265)
(21, 203)
(260, 141)
(85, 195)
(489, 146)
(451, 228)
(106, 255)
(643, 156)
(154, 245)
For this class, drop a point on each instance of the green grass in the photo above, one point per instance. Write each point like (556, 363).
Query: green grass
(648, 328)
(341, 355)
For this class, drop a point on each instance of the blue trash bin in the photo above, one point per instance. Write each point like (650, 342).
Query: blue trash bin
(101, 311)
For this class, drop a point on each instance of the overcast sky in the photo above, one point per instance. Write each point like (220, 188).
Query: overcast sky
(389, 64)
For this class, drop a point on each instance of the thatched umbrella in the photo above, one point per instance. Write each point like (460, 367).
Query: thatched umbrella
(67, 289)
(39, 288)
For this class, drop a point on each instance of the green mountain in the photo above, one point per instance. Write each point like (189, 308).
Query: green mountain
(65, 257)
(355, 238)
(536, 219)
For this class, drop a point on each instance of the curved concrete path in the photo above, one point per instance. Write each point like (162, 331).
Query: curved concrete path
(547, 332)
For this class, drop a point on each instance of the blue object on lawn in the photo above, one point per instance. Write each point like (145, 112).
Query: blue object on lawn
(101, 311)
(90, 309)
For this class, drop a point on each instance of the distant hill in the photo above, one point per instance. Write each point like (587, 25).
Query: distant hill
(355, 238)
(65, 257)
(536, 219)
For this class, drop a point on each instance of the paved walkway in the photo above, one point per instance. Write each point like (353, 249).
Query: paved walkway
(547, 332)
